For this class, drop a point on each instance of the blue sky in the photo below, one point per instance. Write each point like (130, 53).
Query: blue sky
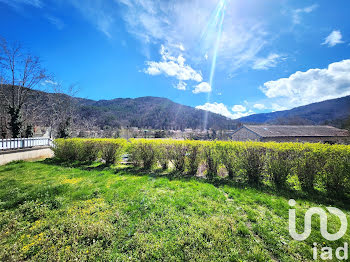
(271, 55)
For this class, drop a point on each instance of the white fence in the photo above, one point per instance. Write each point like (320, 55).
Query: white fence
(18, 143)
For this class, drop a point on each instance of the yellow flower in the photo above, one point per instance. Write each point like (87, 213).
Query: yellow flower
(71, 181)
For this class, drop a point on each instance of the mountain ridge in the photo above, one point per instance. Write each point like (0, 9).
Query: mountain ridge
(154, 112)
(333, 112)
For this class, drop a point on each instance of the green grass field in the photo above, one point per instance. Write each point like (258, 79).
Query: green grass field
(53, 212)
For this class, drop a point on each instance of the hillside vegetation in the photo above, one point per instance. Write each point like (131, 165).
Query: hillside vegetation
(142, 112)
(106, 118)
(153, 112)
(335, 112)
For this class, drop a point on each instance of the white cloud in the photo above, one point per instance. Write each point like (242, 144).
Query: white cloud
(145, 19)
(203, 87)
(239, 108)
(49, 82)
(221, 109)
(55, 21)
(173, 22)
(179, 46)
(277, 107)
(218, 108)
(242, 114)
(178, 24)
(173, 66)
(314, 85)
(265, 63)
(99, 13)
(259, 106)
(333, 39)
(240, 45)
(18, 3)
(298, 12)
(181, 85)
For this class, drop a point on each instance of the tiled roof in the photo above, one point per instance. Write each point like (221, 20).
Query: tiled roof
(297, 131)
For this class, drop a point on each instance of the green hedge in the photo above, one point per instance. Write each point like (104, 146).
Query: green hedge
(304, 165)
(108, 151)
(144, 153)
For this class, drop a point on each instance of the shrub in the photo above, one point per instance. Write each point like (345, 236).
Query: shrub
(163, 155)
(228, 153)
(111, 151)
(278, 165)
(177, 154)
(134, 154)
(336, 171)
(308, 163)
(65, 149)
(193, 157)
(212, 158)
(142, 153)
(87, 150)
(80, 149)
(251, 161)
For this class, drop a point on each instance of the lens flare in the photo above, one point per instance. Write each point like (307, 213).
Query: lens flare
(211, 37)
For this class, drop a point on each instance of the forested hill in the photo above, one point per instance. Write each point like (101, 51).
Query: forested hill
(334, 112)
(162, 113)
(150, 112)
(143, 112)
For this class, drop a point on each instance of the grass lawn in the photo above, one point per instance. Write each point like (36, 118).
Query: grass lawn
(52, 212)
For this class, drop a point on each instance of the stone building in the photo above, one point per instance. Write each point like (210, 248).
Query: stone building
(286, 133)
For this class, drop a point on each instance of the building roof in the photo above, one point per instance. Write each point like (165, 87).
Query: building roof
(296, 131)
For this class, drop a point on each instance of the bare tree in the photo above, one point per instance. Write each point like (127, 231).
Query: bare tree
(3, 118)
(20, 73)
(62, 110)
(87, 127)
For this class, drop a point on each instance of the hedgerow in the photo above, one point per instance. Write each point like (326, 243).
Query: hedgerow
(307, 166)
(112, 150)
(143, 153)
(194, 157)
(251, 161)
(178, 151)
(229, 156)
(211, 158)
(278, 165)
(89, 150)
(336, 171)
